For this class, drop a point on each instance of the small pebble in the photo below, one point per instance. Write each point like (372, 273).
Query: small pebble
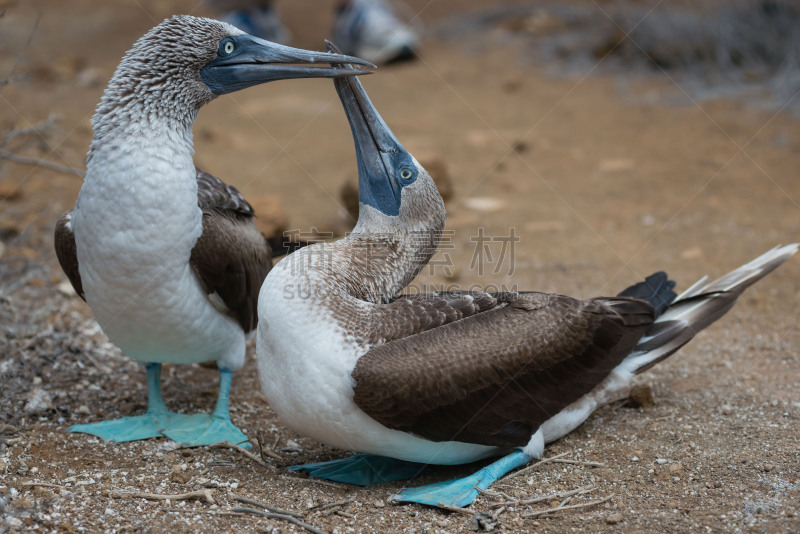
(641, 396)
(661, 461)
(726, 409)
(83, 409)
(379, 504)
(615, 518)
(768, 467)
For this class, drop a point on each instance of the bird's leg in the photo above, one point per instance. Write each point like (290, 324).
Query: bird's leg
(149, 425)
(461, 492)
(204, 429)
(362, 469)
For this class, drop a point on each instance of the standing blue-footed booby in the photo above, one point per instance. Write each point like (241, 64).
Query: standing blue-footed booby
(449, 378)
(167, 256)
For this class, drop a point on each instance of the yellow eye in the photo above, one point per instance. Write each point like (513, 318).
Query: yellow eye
(405, 174)
(228, 47)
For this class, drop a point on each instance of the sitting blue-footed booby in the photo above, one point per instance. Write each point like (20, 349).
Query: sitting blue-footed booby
(167, 256)
(449, 378)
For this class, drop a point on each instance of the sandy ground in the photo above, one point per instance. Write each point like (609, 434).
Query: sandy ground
(604, 179)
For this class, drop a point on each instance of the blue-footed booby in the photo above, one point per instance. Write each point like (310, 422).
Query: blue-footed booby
(449, 378)
(167, 256)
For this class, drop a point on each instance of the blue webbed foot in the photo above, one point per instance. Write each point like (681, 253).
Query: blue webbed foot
(362, 469)
(461, 492)
(204, 429)
(149, 425)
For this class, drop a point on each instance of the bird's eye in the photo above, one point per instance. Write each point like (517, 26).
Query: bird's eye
(228, 47)
(406, 174)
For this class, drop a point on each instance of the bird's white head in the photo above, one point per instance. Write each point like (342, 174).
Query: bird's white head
(185, 62)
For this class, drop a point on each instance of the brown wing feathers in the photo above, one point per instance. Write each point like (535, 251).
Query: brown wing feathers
(494, 377)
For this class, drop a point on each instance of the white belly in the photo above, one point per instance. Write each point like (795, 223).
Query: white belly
(134, 240)
(305, 362)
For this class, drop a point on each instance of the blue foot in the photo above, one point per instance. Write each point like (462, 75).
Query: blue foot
(204, 429)
(461, 491)
(362, 470)
(149, 425)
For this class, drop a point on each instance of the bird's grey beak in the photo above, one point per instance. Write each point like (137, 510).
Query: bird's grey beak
(243, 61)
(378, 151)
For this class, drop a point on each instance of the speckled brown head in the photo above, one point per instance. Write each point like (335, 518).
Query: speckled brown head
(185, 62)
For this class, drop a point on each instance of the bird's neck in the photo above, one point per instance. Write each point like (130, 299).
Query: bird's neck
(140, 178)
(370, 264)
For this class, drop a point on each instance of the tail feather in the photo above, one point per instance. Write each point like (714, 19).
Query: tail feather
(698, 307)
(656, 289)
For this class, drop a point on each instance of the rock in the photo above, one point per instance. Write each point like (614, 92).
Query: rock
(726, 409)
(13, 522)
(768, 467)
(10, 192)
(271, 219)
(38, 401)
(179, 477)
(615, 165)
(641, 396)
(614, 519)
(484, 204)
(692, 253)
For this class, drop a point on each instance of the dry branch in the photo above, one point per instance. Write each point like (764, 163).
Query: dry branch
(229, 445)
(534, 466)
(274, 509)
(205, 494)
(456, 509)
(560, 508)
(22, 160)
(265, 451)
(285, 517)
(561, 495)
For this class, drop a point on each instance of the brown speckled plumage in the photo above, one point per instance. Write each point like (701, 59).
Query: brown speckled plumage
(493, 375)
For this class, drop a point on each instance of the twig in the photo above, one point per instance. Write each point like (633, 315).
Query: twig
(571, 507)
(534, 466)
(314, 481)
(8, 429)
(199, 494)
(22, 160)
(265, 451)
(321, 507)
(561, 495)
(39, 129)
(274, 509)
(208, 512)
(578, 462)
(25, 47)
(44, 485)
(344, 514)
(280, 516)
(229, 445)
(456, 509)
